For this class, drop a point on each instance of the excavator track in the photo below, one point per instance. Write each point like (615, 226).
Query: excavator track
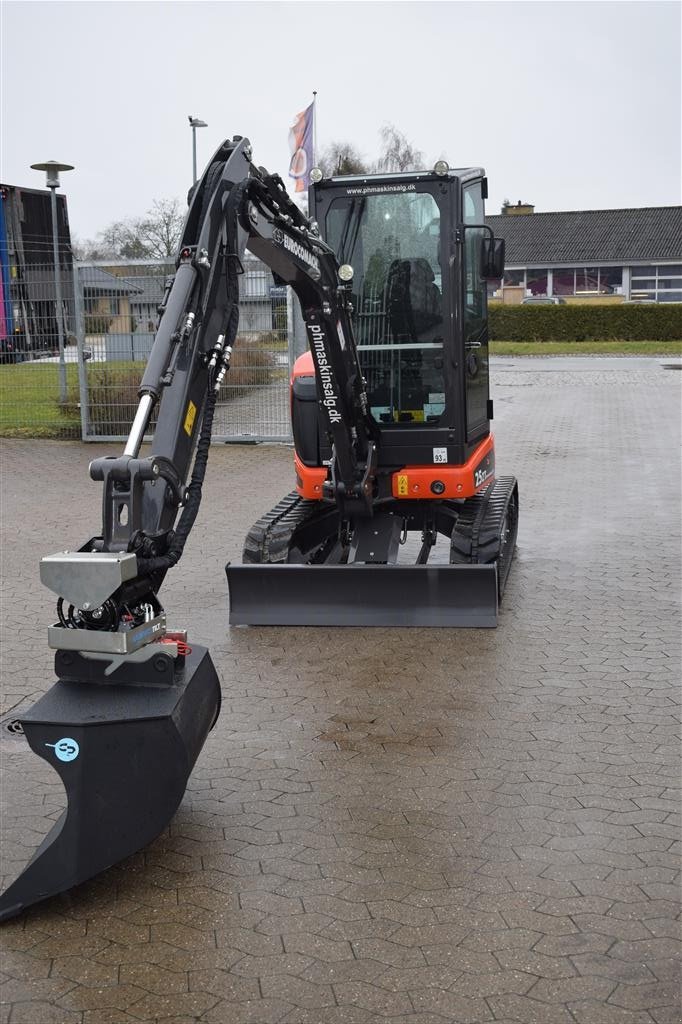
(269, 539)
(486, 529)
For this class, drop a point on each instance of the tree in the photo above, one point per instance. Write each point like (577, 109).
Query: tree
(159, 232)
(341, 158)
(90, 249)
(397, 153)
(122, 239)
(155, 236)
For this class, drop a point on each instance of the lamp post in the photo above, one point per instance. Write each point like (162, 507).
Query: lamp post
(195, 122)
(52, 169)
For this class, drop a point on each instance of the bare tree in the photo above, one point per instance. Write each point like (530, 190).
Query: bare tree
(397, 154)
(341, 158)
(159, 232)
(90, 249)
(122, 239)
(155, 236)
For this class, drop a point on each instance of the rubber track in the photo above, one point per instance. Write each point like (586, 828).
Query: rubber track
(269, 539)
(477, 535)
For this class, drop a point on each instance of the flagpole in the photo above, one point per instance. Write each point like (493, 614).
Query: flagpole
(314, 127)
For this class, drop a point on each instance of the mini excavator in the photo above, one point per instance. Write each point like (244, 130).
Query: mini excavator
(391, 422)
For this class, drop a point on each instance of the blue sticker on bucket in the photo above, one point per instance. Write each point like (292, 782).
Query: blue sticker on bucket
(66, 749)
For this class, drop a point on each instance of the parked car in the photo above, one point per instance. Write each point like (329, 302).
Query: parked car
(543, 300)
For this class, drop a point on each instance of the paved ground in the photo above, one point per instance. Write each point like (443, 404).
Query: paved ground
(423, 826)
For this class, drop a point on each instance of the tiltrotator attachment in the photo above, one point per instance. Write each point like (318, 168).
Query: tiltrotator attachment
(124, 742)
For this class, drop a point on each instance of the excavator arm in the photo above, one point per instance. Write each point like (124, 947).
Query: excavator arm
(150, 504)
(133, 703)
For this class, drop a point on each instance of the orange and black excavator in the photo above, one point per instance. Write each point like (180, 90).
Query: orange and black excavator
(391, 419)
(391, 422)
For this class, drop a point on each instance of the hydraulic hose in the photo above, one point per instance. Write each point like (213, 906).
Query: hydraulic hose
(148, 566)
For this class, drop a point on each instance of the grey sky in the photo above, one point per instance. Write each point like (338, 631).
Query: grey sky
(567, 105)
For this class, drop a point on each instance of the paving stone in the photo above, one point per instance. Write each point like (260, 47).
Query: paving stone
(332, 1015)
(38, 1012)
(451, 1006)
(638, 997)
(596, 1012)
(369, 997)
(666, 1014)
(257, 1011)
(429, 826)
(528, 1011)
(568, 990)
(301, 993)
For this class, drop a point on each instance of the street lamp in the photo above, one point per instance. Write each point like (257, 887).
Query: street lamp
(195, 122)
(52, 169)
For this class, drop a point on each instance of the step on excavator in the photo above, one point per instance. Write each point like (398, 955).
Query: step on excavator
(391, 421)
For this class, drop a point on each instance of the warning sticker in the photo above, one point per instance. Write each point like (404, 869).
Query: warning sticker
(402, 485)
(189, 418)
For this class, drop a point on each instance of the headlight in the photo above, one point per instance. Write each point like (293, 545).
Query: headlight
(441, 167)
(346, 272)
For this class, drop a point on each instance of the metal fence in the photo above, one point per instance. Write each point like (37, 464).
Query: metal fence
(109, 315)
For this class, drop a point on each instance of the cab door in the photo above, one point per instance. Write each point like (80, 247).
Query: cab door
(475, 314)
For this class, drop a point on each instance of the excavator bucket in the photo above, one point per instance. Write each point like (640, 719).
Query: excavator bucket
(124, 745)
(363, 595)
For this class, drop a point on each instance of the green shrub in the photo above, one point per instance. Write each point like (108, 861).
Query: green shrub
(250, 367)
(112, 388)
(578, 323)
(95, 323)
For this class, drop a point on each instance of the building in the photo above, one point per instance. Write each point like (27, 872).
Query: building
(107, 301)
(590, 255)
(28, 306)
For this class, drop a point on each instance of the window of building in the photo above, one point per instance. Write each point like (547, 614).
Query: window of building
(587, 280)
(513, 278)
(660, 283)
(536, 282)
(563, 281)
(114, 305)
(610, 280)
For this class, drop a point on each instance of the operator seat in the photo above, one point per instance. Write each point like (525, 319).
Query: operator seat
(413, 299)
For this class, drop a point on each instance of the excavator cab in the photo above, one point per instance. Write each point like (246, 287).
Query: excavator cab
(417, 245)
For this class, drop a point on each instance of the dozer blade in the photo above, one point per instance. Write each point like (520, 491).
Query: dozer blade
(362, 595)
(124, 746)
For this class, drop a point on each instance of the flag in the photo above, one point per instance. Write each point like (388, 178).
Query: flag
(301, 148)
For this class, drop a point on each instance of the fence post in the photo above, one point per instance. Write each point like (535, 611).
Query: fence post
(79, 320)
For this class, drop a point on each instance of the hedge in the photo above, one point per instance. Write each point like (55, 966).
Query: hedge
(586, 323)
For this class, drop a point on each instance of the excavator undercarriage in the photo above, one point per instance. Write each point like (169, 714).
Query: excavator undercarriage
(311, 570)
